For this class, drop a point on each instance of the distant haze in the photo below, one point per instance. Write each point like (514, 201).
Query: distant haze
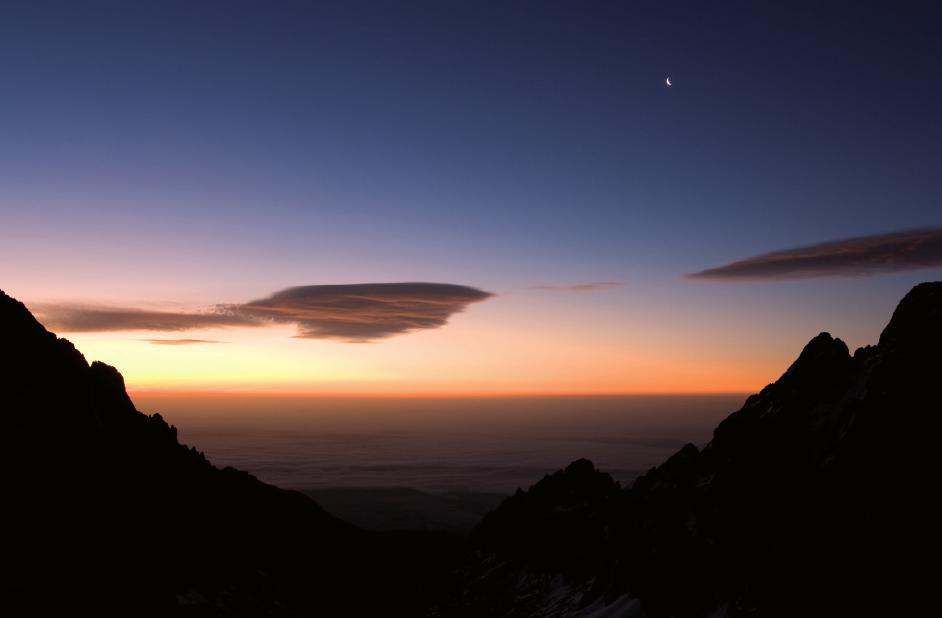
(478, 444)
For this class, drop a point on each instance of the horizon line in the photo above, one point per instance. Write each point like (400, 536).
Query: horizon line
(208, 393)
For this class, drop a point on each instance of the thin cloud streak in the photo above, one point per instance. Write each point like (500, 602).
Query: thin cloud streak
(354, 313)
(182, 341)
(849, 257)
(91, 318)
(590, 286)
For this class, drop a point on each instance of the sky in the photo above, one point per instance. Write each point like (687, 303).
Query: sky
(244, 195)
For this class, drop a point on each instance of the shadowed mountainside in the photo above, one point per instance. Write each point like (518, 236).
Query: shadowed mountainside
(405, 509)
(814, 499)
(105, 511)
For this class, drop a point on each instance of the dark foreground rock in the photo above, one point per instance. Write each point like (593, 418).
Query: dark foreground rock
(106, 513)
(815, 499)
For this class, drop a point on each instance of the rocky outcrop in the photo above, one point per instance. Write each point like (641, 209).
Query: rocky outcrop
(814, 499)
(106, 512)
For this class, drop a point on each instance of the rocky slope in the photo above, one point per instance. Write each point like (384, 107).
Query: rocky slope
(814, 499)
(104, 511)
(817, 498)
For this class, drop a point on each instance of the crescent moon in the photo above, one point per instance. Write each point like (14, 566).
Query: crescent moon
(668, 81)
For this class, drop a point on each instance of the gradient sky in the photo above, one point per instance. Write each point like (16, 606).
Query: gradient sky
(178, 156)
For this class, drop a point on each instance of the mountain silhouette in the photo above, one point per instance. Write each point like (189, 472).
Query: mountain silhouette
(814, 499)
(106, 512)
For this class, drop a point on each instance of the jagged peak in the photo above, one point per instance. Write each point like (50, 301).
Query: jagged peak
(109, 388)
(581, 466)
(108, 372)
(823, 343)
(917, 319)
(579, 472)
(31, 350)
(688, 451)
(15, 316)
(819, 360)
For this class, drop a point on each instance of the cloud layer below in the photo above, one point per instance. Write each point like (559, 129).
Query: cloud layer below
(851, 257)
(356, 313)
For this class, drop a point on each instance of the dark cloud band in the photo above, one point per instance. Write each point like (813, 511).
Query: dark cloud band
(851, 257)
(589, 286)
(358, 312)
(364, 312)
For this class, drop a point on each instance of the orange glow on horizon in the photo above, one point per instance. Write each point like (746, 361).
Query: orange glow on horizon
(223, 393)
(510, 346)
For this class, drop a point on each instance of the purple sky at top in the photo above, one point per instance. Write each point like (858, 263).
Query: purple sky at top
(219, 151)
